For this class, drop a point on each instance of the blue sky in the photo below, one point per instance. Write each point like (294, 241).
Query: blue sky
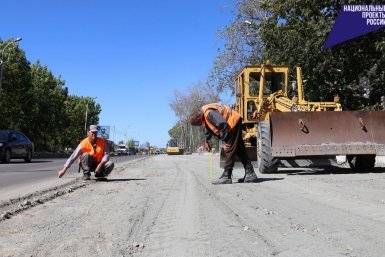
(130, 54)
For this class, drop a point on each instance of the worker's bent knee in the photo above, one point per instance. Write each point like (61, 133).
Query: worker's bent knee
(108, 167)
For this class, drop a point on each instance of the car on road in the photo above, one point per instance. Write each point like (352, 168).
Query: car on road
(15, 145)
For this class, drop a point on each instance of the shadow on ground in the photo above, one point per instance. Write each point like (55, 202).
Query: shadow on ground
(13, 162)
(260, 180)
(267, 179)
(31, 171)
(118, 179)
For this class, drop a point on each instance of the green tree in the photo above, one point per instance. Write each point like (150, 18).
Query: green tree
(49, 96)
(75, 109)
(175, 131)
(292, 32)
(36, 102)
(130, 143)
(14, 94)
(183, 104)
(243, 45)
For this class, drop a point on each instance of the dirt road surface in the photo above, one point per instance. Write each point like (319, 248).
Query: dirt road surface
(166, 206)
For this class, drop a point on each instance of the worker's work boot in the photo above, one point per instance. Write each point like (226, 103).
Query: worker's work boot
(86, 175)
(250, 176)
(225, 178)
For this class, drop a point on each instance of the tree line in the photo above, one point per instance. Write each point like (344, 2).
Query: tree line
(292, 32)
(35, 101)
(185, 102)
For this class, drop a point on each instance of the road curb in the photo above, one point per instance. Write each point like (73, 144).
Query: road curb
(11, 207)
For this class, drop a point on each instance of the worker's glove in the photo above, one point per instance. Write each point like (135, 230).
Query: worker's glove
(207, 146)
(226, 147)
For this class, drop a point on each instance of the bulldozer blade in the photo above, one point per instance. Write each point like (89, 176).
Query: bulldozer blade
(301, 134)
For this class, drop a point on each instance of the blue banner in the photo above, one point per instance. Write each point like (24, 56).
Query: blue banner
(354, 21)
(104, 131)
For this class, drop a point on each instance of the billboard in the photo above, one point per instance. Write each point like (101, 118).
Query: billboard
(104, 131)
(354, 21)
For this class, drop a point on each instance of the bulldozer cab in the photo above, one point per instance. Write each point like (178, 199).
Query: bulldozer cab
(254, 85)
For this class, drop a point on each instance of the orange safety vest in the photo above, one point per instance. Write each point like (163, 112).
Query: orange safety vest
(230, 116)
(97, 152)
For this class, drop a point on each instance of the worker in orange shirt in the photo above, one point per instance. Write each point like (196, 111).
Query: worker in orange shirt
(226, 125)
(93, 157)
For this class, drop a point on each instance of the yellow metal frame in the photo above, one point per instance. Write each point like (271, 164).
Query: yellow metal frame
(277, 101)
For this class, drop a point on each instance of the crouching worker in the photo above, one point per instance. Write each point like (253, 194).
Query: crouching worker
(225, 124)
(93, 157)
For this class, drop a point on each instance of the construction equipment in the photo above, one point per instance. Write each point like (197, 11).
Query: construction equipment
(279, 128)
(173, 148)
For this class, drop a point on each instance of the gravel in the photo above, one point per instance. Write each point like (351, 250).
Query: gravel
(166, 206)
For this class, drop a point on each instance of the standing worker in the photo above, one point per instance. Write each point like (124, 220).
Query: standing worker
(93, 157)
(225, 124)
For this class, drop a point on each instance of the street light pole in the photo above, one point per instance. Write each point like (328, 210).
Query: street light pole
(10, 42)
(85, 121)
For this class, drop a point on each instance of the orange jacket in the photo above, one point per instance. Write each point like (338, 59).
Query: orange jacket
(97, 152)
(230, 116)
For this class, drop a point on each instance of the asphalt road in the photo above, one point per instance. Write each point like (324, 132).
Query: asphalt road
(18, 172)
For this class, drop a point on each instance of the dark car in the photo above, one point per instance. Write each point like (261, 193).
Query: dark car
(15, 145)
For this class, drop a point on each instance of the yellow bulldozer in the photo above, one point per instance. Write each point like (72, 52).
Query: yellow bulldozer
(173, 148)
(278, 125)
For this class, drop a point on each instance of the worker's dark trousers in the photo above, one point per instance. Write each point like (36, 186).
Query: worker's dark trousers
(88, 164)
(237, 148)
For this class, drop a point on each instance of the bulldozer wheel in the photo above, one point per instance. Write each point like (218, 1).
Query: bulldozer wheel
(266, 163)
(361, 163)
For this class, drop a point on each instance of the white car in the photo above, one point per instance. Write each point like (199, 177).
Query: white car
(122, 150)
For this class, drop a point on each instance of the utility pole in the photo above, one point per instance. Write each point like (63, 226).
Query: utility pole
(85, 121)
(87, 109)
